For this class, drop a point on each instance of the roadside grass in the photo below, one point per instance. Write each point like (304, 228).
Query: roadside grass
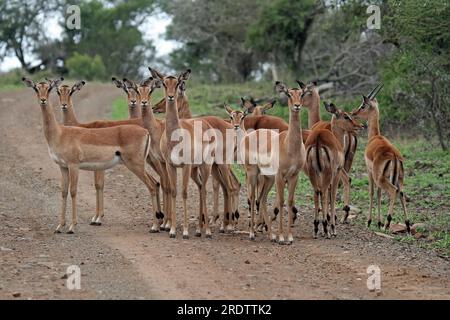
(427, 170)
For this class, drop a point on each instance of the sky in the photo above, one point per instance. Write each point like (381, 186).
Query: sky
(153, 29)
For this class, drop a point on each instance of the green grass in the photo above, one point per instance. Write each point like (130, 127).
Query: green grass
(427, 173)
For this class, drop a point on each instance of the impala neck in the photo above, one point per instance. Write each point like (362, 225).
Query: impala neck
(69, 117)
(294, 130)
(172, 119)
(184, 112)
(149, 120)
(338, 132)
(314, 110)
(51, 126)
(374, 123)
(135, 112)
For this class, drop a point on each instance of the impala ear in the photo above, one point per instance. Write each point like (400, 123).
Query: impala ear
(54, 83)
(156, 83)
(182, 86)
(77, 86)
(185, 75)
(29, 83)
(331, 108)
(227, 108)
(269, 105)
(314, 83)
(280, 87)
(301, 85)
(146, 82)
(156, 74)
(119, 84)
(365, 99)
(247, 104)
(130, 84)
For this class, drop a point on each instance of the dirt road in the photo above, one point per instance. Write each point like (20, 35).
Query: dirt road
(121, 259)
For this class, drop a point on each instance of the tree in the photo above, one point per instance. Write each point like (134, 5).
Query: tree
(213, 35)
(111, 32)
(21, 28)
(281, 30)
(417, 75)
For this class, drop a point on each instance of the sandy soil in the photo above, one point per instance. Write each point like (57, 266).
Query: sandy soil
(121, 259)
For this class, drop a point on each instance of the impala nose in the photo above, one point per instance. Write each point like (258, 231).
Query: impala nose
(236, 127)
(297, 107)
(133, 102)
(64, 106)
(43, 101)
(171, 98)
(144, 103)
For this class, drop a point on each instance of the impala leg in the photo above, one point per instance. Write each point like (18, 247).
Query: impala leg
(172, 175)
(280, 184)
(205, 171)
(380, 224)
(73, 181)
(251, 190)
(325, 212)
(316, 213)
(226, 175)
(99, 181)
(393, 191)
(371, 187)
(235, 199)
(64, 192)
(333, 192)
(346, 182)
(267, 184)
(405, 213)
(216, 215)
(186, 172)
(196, 178)
(292, 183)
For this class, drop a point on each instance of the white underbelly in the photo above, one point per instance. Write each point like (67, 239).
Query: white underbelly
(94, 166)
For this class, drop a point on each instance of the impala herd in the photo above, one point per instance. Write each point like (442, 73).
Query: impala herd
(271, 152)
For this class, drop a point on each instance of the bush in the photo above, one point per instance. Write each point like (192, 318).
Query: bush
(83, 66)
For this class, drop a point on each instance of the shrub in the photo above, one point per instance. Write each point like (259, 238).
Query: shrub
(83, 66)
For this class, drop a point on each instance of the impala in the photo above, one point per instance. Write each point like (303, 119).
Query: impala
(65, 94)
(324, 165)
(383, 161)
(348, 139)
(199, 172)
(74, 148)
(228, 182)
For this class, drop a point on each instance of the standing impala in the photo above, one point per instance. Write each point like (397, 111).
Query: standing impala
(383, 161)
(223, 176)
(324, 165)
(74, 148)
(186, 159)
(69, 119)
(286, 154)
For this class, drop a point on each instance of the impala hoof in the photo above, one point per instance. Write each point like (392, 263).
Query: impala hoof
(208, 236)
(154, 231)
(221, 231)
(185, 237)
(172, 236)
(70, 232)
(198, 234)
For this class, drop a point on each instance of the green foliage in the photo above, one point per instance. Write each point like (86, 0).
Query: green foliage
(417, 75)
(281, 30)
(112, 33)
(82, 66)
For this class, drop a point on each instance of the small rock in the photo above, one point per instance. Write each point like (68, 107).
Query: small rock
(65, 276)
(247, 262)
(16, 294)
(5, 249)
